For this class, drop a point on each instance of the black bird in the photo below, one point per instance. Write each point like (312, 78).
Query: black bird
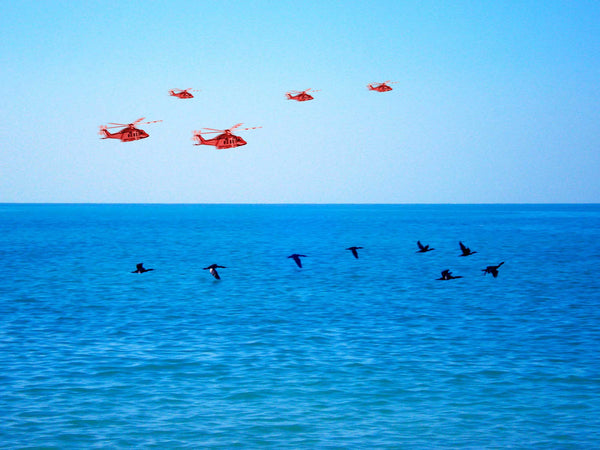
(353, 250)
(213, 270)
(447, 275)
(466, 251)
(296, 257)
(492, 269)
(141, 269)
(423, 248)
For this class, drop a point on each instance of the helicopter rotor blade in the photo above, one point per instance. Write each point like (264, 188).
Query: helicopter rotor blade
(138, 121)
(251, 128)
(237, 125)
(213, 130)
(152, 121)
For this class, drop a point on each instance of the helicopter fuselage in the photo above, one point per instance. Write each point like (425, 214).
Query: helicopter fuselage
(222, 141)
(182, 94)
(380, 87)
(300, 97)
(127, 134)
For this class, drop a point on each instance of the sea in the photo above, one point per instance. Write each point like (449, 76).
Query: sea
(343, 353)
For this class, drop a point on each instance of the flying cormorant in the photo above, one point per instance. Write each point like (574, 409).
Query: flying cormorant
(353, 250)
(213, 270)
(296, 257)
(466, 251)
(141, 269)
(492, 269)
(447, 275)
(423, 248)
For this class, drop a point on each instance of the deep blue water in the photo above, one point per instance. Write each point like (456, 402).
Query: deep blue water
(343, 353)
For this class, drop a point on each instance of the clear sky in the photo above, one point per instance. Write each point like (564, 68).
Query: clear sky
(495, 101)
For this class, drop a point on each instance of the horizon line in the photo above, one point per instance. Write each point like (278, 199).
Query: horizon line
(300, 203)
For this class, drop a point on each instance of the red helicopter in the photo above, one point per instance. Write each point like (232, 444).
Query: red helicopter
(182, 93)
(225, 139)
(300, 96)
(127, 134)
(381, 87)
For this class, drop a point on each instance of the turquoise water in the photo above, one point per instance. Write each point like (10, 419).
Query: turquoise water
(343, 353)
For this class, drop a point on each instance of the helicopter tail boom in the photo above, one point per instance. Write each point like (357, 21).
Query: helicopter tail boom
(199, 139)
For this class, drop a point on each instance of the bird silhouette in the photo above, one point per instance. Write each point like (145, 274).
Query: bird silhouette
(213, 270)
(141, 269)
(423, 248)
(353, 250)
(466, 251)
(447, 275)
(492, 269)
(296, 257)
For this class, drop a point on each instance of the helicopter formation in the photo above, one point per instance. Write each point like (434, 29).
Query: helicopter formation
(225, 138)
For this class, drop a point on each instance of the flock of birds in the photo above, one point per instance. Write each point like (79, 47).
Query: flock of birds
(446, 274)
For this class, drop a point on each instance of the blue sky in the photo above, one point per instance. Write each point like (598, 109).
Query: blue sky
(496, 101)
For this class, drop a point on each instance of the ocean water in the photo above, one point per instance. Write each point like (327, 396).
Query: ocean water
(372, 352)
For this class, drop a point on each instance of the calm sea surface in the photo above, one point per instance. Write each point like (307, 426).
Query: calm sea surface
(343, 353)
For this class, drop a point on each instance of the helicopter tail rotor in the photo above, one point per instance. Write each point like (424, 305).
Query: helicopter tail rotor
(103, 131)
